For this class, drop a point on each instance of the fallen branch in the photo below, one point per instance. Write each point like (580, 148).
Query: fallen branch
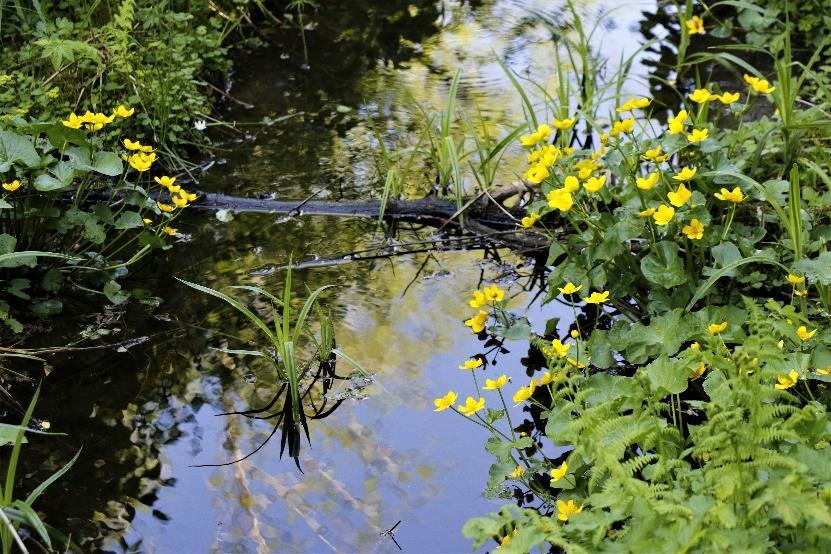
(493, 225)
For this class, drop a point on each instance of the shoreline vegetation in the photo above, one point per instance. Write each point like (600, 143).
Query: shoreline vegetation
(684, 407)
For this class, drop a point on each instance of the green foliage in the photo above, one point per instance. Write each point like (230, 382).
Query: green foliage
(71, 211)
(17, 513)
(72, 56)
(733, 463)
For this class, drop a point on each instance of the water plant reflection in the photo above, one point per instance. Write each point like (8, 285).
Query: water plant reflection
(298, 386)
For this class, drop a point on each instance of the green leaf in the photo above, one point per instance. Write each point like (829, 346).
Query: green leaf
(94, 231)
(8, 434)
(726, 254)
(107, 163)
(16, 148)
(519, 329)
(4, 205)
(666, 376)
(663, 266)
(52, 280)
(128, 220)
(112, 291)
(818, 269)
(46, 183)
(47, 308)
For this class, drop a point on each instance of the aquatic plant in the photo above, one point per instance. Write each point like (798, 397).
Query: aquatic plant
(689, 414)
(72, 213)
(16, 513)
(282, 333)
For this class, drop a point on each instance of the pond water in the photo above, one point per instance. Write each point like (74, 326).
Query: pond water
(146, 415)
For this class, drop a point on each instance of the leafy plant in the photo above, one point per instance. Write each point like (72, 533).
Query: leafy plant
(16, 513)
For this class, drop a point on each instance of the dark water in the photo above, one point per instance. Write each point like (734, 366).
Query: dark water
(146, 415)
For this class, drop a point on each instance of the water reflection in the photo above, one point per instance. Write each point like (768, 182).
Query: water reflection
(145, 416)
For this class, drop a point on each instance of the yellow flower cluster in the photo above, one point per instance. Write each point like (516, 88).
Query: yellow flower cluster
(179, 196)
(96, 121)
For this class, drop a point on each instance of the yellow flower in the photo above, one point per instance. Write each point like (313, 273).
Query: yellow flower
(11, 187)
(575, 334)
(95, 121)
(646, 183)
(560, 199)
(524, 393)
(122, 111)
(45, 425)
(795, 279)
(537, 173)
(676, 124)
(824, 371)
(804, 334)
(787, 381)
(698, 135)
(559, 472)
(164, 180)
(189, 196)
(444, 402)
(679, 197)
(542, 133)
(695, 346)
(179, 201)
(516, 474)
(634, 104)
(696, 373)
(594, 184)
(147, 221)
(654, 155)
(493, 293)
(663, 215)
(599, 153)
(734, 195)
(529, 220)
(716, 328)
(800, 292)
(478, 300)
(695, 25)
(496, 384)
(685, 174)
(567, 509)
(477, 322)
(560, 348)
(647, 212)
(165, 207)
(571, 184)
(694, 231)
(141, 161)
(759, 85)
(546, 155)
(169, 231)
(701, 95)
(471, 406)
(563, 124)
(73, 121)
(570, 288)
(472, 363)
(729, 97)
(132, 145)
(623, 126)
(597, 297)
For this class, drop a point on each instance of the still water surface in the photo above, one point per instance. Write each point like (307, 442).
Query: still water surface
(147, 415)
